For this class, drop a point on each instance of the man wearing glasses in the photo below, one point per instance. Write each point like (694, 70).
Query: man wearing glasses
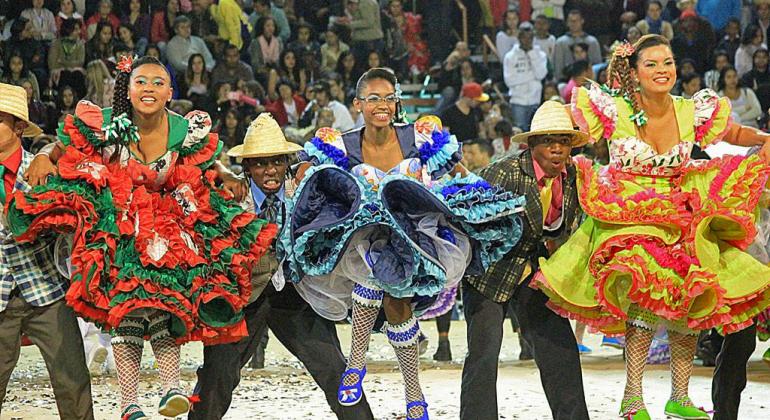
(323, 99)
(542, 173)
(312, 339)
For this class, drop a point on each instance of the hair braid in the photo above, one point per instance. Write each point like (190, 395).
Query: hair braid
(121, 103)
(619, 71)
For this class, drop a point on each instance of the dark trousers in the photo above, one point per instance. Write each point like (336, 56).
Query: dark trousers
(730, 373)
(553, 344)
(54, 330)
(312, 339)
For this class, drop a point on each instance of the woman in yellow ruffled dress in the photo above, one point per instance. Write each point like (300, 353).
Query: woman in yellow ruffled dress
(665, 235)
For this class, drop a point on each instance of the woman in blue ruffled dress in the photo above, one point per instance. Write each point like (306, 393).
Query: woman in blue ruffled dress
(385, 217)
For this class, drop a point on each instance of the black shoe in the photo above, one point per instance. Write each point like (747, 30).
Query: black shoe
(526, 349)
(444, 352)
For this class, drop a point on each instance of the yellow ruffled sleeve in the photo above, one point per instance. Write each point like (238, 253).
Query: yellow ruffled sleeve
(712, 117)
(595, 112)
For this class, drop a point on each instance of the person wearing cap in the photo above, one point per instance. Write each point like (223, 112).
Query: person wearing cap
(543, 174)
(184, 44)
(463, 117)
(313, 340)
(524, 68)
(31, 289)
(323, 99)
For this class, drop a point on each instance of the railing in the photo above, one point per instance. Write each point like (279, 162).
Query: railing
(464, 13)
(487, 47)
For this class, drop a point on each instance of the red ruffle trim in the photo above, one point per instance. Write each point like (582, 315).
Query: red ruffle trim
(206, 153)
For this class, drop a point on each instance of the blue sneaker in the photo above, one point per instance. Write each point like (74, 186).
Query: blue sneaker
(614, 342)
(349, 395)
(584, 349)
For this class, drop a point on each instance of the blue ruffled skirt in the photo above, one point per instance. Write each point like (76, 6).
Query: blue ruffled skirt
(402, 237)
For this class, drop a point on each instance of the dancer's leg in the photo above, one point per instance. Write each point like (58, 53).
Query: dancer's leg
(682, 354)
(166, 351)
(402, 331)
(367, 301)
(638, 342)
(127, 345)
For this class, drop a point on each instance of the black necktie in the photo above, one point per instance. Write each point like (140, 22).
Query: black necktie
(271, 208)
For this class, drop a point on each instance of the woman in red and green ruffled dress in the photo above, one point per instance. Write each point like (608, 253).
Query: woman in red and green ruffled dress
(664, 240)
(160, 253)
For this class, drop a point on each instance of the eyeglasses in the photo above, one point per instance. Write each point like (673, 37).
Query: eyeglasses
(377, 99)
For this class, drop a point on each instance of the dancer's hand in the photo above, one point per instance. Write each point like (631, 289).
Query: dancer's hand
(764, 152)
(39, 170)
(235, 185)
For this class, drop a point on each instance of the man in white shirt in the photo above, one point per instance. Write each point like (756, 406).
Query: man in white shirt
(524, 68)
(184, 44)
(342, 119)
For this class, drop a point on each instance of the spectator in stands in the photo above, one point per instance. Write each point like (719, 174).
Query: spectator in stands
(231, 69)
(138, 21)
(524, 69)
(502, 143)
(633, 34)
(67, 11)
(563, 54)
(731, 39)
(315, 13)
(100, 47)
(711, 78)
(184, 44)
(758, 78)
(100, 84)
(457, 70)
(194, 86)
(104, 13)
(550, 93)
(653, 23)
(508, 35)
(332, 48)
(162, 26)
(342, 119)
(67, 56)
(463, 118)
(231, 129)
(694, 39)
(66, 100)
(543, 39)
(32, 51)
(287, 108)
(553, 10)
(477, 153)
(16, 73)
(763, 18)
(718, 12)
(222, 100)
(366, 27)
(203, 24)
(336, 87)
(229, 18)
(264, 9)
(579, 72)
(266, 49)
(43, 21)
(347, 69)
(373, 59)
(751, 41)
(290, 68)
(395, 48)
(136, 45)
(38, 112)
(690, 84)
(745, 105)
(305, 42)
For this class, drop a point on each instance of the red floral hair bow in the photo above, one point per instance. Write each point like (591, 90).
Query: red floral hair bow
(125, 63)
(624, 50)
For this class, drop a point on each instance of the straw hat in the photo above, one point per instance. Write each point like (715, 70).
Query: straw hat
(552, 118)
(13, 100)
(263, 138)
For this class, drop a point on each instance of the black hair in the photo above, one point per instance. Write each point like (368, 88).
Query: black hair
(577, 68)
(582, 45)
(654, 2)
(575, 12)
(381, 73)
(323, 86)
(748, 34)
(689, 77)
(287, 82)
(723, 74)
(484, 145)
(24, 68)
(67, 27)
(259, 27)
(121, 103)
(17, 27)
(205, 78)
(504, 128)
(60, 95)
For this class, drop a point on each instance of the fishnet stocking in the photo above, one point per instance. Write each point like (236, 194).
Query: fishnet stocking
(366, 306)
(637, 347)
(409, 363)
(682, 353)
(128, 356)
(167, 355)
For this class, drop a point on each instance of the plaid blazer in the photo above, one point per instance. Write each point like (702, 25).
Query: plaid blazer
(516, 173)
(28, 266)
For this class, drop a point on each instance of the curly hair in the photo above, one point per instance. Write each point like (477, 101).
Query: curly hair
(619, 74)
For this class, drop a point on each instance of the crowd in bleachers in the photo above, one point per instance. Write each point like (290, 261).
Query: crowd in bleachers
(300, 59)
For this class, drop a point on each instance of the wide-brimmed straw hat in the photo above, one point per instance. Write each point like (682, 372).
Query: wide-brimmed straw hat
(552, 118)
(13, 100)
(263, 138)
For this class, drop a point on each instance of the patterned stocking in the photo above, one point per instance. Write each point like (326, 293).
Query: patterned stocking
(637, 346)
(403, 338)
(128, 355)
(682, 353)
(366, 305)
(166, 352)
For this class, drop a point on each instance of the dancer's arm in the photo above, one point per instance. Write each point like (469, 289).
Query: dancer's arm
(232, 183)
(44, 164)
(741, 135)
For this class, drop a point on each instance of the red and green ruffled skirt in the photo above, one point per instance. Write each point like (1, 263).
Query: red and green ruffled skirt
(664, 250)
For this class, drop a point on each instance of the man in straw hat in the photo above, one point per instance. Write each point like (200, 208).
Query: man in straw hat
(31, 289)
(544, 175)
(312, 339)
